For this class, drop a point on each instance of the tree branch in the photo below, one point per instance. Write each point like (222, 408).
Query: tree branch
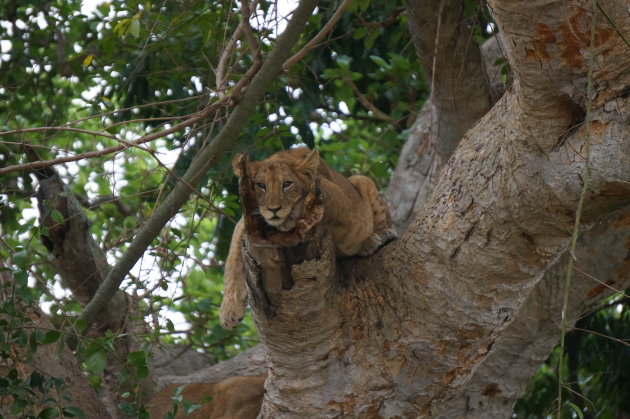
(91, 154)
(312, 44)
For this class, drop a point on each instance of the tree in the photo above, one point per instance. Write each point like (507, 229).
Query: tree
(455, 316)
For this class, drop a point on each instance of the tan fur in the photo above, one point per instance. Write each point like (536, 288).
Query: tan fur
(354, 212)
(233, 398)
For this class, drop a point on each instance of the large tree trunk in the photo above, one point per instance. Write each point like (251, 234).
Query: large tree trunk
(402, 332)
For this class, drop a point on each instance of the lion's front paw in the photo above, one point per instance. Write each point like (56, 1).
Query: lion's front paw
(231, 313)
(376, 241)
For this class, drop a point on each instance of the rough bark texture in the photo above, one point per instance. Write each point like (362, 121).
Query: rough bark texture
(501, 380)
(402, 332)
(453, 63)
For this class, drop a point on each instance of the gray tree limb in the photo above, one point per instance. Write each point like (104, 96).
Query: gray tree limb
(460, 94)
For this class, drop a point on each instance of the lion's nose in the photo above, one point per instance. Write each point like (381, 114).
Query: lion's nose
(274, 210)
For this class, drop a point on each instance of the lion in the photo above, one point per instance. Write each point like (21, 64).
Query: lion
(232, 398)
(354, 213)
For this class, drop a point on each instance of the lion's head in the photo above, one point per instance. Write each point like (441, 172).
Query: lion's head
(281, 183)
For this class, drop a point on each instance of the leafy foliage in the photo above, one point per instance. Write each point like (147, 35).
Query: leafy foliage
(597, 367)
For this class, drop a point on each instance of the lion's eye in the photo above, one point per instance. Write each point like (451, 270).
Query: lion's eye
(286, 184)
(262, 186)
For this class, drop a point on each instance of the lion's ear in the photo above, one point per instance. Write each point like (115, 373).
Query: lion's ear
(237, 161)
(310, 164)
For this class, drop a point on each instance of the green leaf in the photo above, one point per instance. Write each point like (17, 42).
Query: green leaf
(190, 407)
(80, 324)
(142, 371)
(380, 62)
(134, 28)
(127, 409)
(56, 216)
(576, 409)
(48, 413)
(96, 362)
(51, 336)
(137, 358)
(73, 412)
(20, 259)
(121, 27)
(360, 33)
(170, 326)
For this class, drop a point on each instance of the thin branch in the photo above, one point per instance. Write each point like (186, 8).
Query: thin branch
(578, 211)
(380, 116)
(315, 41)
(69, 129)
(622, 341)
(220, 75)
(99, 153)
(146, 105)
(601, 282)
(155, 119)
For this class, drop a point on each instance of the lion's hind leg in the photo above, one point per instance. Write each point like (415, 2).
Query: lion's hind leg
(382, 231)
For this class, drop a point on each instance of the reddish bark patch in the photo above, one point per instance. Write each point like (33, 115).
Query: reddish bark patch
(546, 36)
(491, 390)
(448, 377)
(577, 34)
(622, 222)
(597, 128)
(598, 289)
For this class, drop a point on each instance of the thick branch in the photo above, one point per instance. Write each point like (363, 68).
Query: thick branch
(452, 61)
(428, 309)
(547, 45)
(501, 380)
(461, 94)
(206, 158)
(75, 255)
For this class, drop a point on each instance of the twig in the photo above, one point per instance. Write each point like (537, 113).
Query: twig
(92, 154)
(146, 105)
(380, 116)
(578, 212)
(317, 38)
(620, 292)
(622, 341)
